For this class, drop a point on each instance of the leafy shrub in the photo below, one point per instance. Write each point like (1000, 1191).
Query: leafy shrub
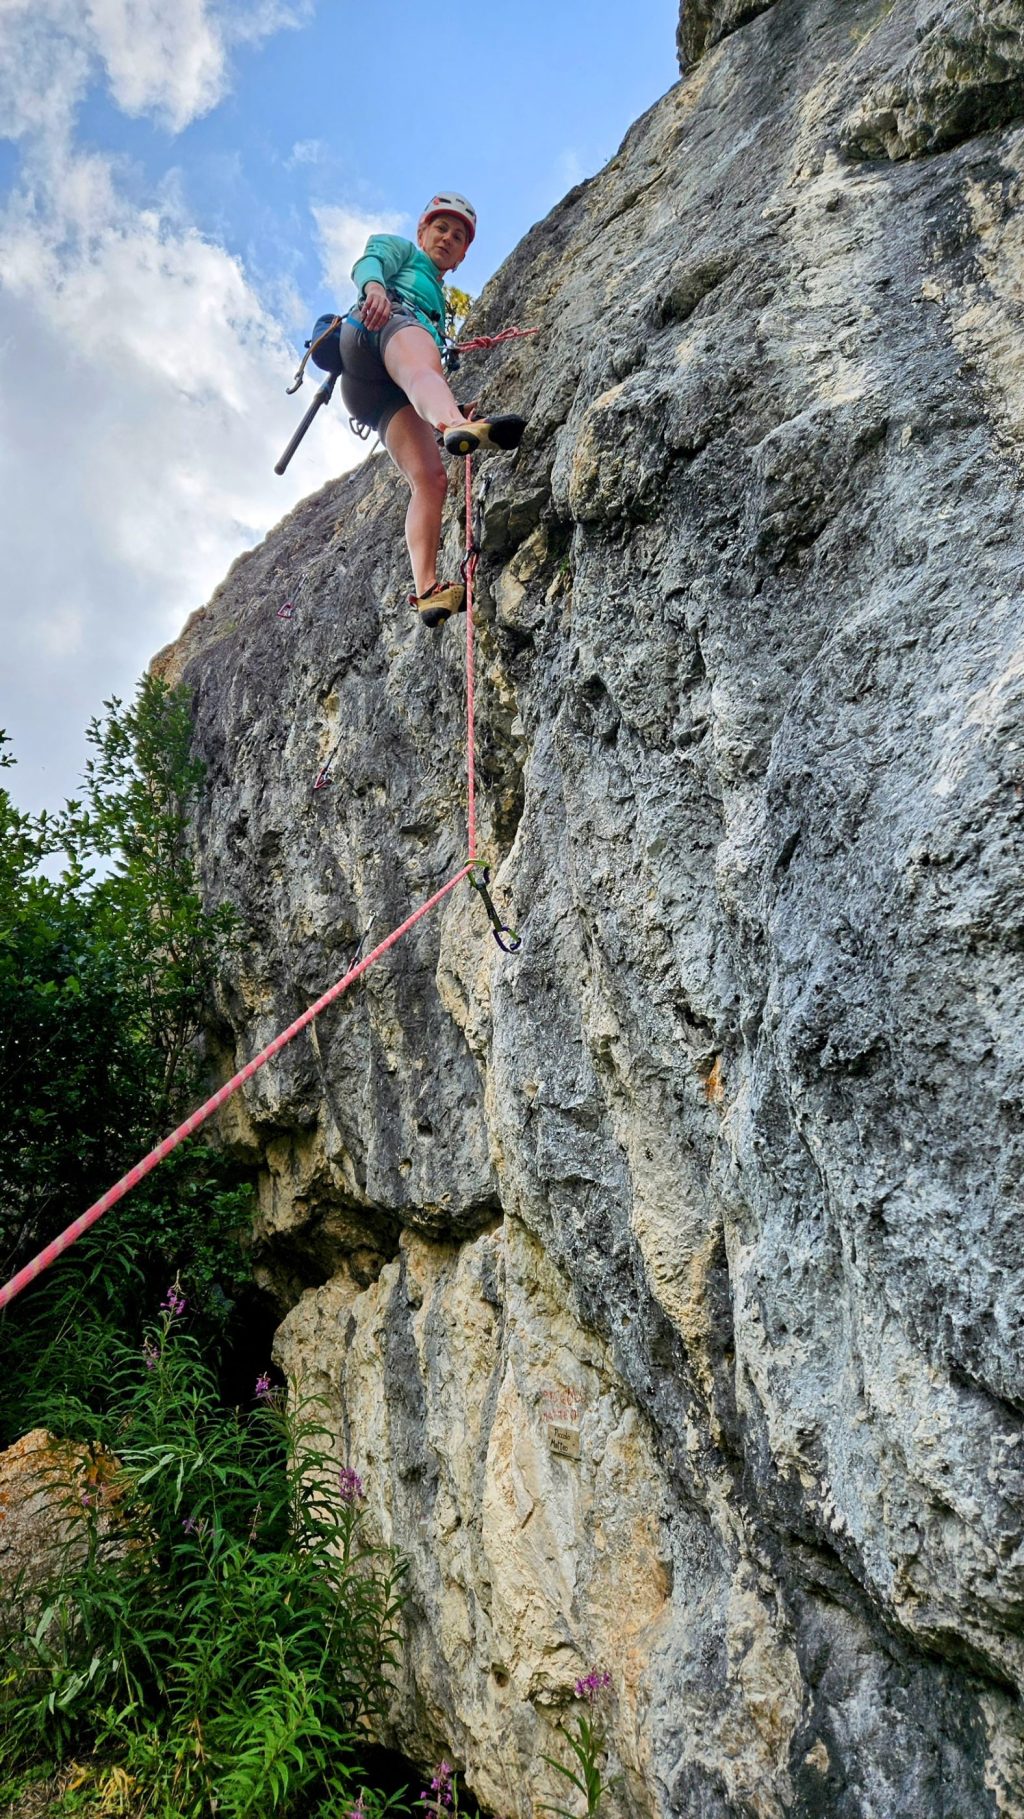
(226, 1640)
(106, 975)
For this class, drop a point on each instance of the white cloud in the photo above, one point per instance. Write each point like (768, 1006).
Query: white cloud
(169, 58)
(305, 151)
(143, 378)
(247, 21)
(44, 67)
(343, 234)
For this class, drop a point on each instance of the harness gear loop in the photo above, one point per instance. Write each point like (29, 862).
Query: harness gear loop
(311, 347)
(498, 927)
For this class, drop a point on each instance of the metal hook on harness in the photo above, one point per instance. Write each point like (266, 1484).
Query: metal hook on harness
(498, 927)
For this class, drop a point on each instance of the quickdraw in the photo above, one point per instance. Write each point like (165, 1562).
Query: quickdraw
(467, 567)
(498, 927)
(323, 776)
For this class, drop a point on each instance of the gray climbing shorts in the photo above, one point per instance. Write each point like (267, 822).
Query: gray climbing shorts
(368, 391)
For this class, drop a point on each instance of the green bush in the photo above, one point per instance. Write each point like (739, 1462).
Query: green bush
(106, 975)
(218, 1638)
(225, 1630)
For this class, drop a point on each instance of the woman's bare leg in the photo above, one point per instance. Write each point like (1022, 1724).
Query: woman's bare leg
(413, 359)
(411, 444)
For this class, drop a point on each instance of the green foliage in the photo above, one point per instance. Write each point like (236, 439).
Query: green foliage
(66, 1074)
(587, 1746)
(224, 1630)
(142, 790)
(105, 978)
(457, 305)
(104, 982)
(218, 1633)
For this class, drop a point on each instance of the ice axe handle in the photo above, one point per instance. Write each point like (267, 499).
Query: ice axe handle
(323, 396)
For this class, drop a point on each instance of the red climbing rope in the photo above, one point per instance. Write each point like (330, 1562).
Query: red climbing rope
(191, 1124)
(469, 570)
(507, 334)
(135, 1175)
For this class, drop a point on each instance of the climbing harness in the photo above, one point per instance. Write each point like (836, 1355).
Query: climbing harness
(475, 870)
(324, 350)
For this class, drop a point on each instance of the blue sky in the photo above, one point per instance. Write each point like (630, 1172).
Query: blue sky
(183, 186)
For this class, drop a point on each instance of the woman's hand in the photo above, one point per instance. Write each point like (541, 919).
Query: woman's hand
(376, 309)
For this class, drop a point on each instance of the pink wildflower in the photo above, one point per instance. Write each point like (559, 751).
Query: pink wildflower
(592, 1685)
(439, 1793)
(350, 1486)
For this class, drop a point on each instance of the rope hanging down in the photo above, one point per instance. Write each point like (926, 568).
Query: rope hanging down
(469, 563)
(213, 1104)
(67, 1238)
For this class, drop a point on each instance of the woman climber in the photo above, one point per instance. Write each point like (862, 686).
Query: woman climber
(391, 348)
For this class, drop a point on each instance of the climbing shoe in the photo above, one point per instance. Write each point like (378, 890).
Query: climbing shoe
(439, 602)
(486, 432)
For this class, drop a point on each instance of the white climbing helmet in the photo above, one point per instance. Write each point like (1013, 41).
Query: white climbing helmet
(448, 202)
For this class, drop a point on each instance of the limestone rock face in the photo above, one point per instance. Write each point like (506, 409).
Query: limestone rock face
(666, 1277)
(702, 23)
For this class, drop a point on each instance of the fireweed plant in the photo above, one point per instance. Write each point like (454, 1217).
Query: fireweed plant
(587, 1744)
(219, 1630)
(441, 1799)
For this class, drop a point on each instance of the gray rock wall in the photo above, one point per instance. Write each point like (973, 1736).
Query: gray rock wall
(666, 1277)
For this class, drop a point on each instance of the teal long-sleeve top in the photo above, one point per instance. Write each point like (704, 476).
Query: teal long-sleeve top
(405, 270)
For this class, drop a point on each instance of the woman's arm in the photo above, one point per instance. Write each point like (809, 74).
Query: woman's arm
(384, 257)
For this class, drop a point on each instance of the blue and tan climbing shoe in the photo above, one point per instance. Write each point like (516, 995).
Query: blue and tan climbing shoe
(485, 432)
(439, 602)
